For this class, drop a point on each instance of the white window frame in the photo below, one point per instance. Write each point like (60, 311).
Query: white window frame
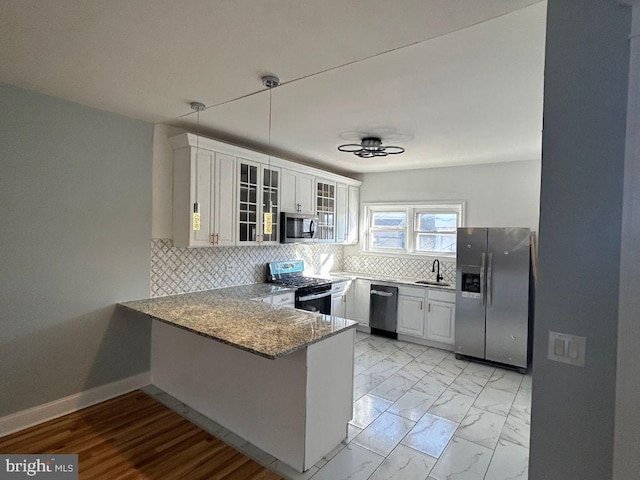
(434, 209)
(369, 227)
(412, 210)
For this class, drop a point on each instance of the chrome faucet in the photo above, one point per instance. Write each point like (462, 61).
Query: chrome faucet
(433, 269)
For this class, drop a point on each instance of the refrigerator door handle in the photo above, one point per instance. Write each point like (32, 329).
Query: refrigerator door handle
(482, 280)
(490, 280)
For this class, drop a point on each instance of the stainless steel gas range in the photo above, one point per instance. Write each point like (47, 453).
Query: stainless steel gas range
(312, 293)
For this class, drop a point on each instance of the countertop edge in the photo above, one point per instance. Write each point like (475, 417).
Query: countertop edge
(340, 275)
(191, 330)
(280, 354)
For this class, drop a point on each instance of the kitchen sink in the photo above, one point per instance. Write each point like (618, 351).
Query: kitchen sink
(433, 282)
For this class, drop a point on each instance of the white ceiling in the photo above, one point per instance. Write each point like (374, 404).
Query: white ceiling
(454, 82)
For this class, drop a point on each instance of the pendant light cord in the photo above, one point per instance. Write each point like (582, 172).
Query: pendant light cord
(197, 150)
(197, 107)
(269, 206)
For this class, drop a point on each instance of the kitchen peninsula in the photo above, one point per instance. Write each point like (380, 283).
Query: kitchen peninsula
(280, 378)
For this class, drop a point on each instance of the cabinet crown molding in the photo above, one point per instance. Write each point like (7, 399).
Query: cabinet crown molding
(190, 140)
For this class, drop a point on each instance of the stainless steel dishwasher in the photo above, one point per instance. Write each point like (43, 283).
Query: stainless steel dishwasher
(383, 314)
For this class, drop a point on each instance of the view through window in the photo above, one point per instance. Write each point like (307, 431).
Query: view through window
(413, 229)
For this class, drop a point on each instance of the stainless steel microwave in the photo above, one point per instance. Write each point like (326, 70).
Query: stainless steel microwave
(297, 227)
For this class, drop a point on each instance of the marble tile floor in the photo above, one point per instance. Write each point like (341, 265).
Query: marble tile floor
(418, 414)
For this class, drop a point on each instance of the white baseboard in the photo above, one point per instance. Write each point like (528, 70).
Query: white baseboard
(426, 343)
(48, 411)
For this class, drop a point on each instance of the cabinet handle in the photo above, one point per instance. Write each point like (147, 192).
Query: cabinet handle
(429, 309)
(211, 239)
(420, 305)
(216, 238)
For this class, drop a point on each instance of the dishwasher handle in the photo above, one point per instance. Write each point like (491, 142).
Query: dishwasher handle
(381, 293)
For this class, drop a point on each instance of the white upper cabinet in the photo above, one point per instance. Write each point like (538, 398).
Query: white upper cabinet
(221, 193)
(347, 208)
(353, 211)
(204, 184)
(326, 211)
(225, 196)
(297, 193)
(342, 212)
(258, 193)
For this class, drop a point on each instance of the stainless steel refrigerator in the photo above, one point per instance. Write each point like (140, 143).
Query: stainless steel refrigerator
(492, 295)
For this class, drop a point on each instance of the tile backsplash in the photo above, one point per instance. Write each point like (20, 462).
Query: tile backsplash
(399, 267)
(179, 270)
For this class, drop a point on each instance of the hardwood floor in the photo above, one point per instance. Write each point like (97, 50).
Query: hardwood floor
(136, 437)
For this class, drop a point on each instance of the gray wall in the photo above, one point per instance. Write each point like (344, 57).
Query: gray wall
(496, 194)
(75, 236)
(586, 71)
(627, 432)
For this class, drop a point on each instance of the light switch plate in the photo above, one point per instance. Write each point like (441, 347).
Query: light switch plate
(567, 348)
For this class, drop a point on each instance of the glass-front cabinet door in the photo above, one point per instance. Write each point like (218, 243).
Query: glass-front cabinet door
(258, 193)
(248, 202)
(326, 211)
(270, 202)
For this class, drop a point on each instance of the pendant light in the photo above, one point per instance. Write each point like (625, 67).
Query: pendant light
(197, 107)
(269, 81)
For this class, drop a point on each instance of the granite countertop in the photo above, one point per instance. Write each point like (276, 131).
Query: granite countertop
(229, 316)
(254, 290)
(391, 279)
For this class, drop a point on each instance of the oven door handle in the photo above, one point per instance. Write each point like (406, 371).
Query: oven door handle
(314, 296)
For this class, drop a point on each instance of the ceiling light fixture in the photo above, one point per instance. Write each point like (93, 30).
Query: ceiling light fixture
(370, 147)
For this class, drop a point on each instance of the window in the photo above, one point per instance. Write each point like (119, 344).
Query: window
(428, 229)
(435, 232)
(388, 230)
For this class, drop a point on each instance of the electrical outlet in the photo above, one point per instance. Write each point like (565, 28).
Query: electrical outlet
(567, 348)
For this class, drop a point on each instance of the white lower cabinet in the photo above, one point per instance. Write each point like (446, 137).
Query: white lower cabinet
(441, 314)
(284, 300)
(262, 299)
(280, 300)
(410, 315)
(411, 310)
(338, 305)
(339, 298)
(428, 314)
(358, 301)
